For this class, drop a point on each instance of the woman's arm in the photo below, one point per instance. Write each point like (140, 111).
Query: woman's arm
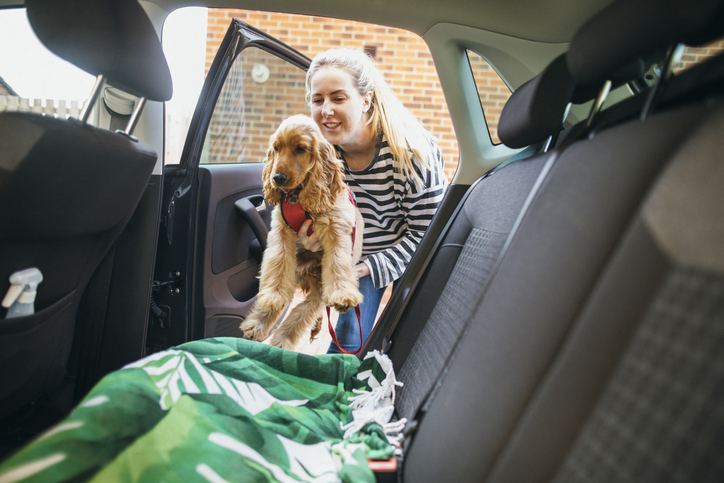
(420, 204)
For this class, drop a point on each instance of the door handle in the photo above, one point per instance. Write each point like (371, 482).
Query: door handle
(251, 212)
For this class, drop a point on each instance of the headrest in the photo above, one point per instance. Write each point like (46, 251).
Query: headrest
(110, 37)
(628, 30)
(535, 110)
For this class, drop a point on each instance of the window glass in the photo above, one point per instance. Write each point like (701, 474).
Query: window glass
(402, 57)
(184, 44)
(493, 92)
(259, 92)
(31, 77)
(696, 55)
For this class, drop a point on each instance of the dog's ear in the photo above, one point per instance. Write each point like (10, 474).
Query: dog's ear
(324, 180)
(334, 169)
(272, 195)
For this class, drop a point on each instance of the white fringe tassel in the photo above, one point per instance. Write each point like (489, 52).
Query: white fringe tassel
(377, 404)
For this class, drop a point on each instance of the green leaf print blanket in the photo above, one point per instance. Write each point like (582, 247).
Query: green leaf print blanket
(223, 410)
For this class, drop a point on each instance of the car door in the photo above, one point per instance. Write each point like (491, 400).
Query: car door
(214, 219)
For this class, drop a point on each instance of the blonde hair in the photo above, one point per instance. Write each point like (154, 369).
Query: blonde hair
(404, 132)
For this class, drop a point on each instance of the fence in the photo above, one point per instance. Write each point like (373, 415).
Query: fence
(51, 107)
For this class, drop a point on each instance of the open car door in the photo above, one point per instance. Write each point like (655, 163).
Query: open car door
(214, 218)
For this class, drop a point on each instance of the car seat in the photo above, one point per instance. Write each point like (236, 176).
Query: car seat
(69, 188)
(587, 351)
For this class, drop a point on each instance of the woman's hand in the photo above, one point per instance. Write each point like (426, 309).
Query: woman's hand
(310, 242)
(361, 270)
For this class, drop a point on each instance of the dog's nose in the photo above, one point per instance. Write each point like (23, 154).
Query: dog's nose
(280, 178)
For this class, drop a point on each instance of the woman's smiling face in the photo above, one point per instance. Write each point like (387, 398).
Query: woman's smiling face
(338, 108)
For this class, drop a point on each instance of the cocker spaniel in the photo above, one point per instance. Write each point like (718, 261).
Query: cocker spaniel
(302, 168)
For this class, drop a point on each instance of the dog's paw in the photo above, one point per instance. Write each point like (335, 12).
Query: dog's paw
(271, 300)
(343, 300)
(315, 330)
(282, 342)
(254, 329)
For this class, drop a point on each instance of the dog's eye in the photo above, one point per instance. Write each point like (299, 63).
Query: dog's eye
(276, 149)
(300, 150)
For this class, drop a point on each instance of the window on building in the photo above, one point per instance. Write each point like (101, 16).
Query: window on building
(493, 92)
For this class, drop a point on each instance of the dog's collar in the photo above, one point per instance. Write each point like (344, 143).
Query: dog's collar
(293, 194)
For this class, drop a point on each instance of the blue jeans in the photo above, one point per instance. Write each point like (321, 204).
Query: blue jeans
(347, 329)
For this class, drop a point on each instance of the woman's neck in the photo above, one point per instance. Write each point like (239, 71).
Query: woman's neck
(358, 156)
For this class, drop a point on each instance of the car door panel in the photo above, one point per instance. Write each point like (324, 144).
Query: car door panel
(210, 249)
(230, 268)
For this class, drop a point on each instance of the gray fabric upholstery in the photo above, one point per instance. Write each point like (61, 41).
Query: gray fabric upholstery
(690, 195)
(453, 310)
(535, 110)
(492, 209)
(552, 266)
(662, 417)
(560, 406)
(595, 352)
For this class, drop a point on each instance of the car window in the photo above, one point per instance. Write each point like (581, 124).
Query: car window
(31, 77)
(260, 91)
(402, 57)
(697, 55)
(493, 92)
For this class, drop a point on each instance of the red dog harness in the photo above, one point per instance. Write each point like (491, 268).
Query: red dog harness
(293, 213)
(295, 216)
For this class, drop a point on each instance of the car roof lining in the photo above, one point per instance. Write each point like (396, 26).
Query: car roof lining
(539, 20)
(509, 35)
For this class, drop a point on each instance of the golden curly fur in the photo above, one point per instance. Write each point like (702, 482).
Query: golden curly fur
(298, 155)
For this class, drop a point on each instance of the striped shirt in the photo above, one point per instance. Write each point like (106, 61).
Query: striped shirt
(396, 212)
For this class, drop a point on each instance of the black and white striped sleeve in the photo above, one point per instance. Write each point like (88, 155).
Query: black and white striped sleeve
(419, 204)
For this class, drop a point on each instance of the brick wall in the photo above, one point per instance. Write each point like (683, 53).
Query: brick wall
(242, 132)
(241, 124)
(693, 56)
(402, 57)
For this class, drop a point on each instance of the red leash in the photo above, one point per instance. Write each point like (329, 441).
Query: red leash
(334, 336)
(356, 309)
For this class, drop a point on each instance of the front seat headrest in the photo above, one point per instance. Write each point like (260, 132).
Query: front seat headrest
(114, 38)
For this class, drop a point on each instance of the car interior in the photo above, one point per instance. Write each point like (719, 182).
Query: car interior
(562, 319)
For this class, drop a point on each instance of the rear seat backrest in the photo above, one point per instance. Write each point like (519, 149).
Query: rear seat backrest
(68, 188)
(580, 271)
(477, 237)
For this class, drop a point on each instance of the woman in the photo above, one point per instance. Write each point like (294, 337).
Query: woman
(393, 166)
